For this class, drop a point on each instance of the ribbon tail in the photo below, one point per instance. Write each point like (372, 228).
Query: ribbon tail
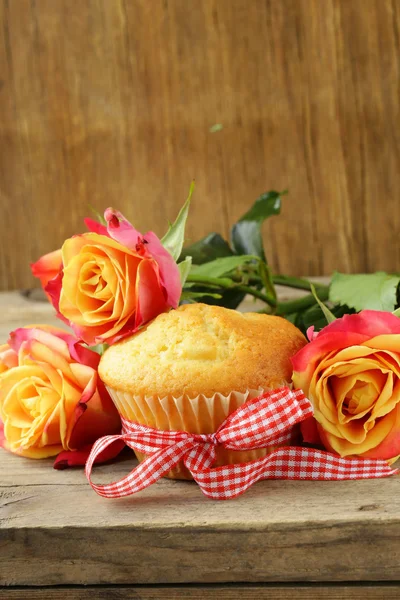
(146, 473)
(312, 464)
(73, 458)
(229, 481)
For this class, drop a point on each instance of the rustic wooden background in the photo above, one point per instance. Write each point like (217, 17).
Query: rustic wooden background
(110, 102)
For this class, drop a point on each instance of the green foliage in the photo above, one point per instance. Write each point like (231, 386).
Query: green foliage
(223, 273)
(330, 317)
(188, 296)
(246, 235)
(220, 266)
(184, 269)
(376, 291)
(210, 247)
(314, 316)
(99, 348)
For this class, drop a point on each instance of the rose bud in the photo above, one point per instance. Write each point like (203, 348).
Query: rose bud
(52, 400)
(350, 372)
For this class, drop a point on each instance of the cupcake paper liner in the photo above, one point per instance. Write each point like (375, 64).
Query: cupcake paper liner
(201, 414)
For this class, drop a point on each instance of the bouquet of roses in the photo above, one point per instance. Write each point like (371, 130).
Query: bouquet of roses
(107, 283)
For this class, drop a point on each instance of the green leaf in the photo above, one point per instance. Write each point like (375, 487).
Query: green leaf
(375, 291)
(174, 238)
(184, 269)
(329, 316)
(397, 312)
(246, 235)
(315, 316)
(220, 266)
(210, 247)
(229, 298)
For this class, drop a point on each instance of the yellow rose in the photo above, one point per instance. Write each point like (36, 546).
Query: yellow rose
(52, 399)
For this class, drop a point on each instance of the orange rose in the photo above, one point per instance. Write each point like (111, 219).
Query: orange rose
(113, 280)
(350, 371)
(52, 400)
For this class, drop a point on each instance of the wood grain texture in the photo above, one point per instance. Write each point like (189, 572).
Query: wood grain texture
(55, 530)
(224, 592)
(111, 103)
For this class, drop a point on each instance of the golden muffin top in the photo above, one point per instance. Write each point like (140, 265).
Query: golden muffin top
(202, 349)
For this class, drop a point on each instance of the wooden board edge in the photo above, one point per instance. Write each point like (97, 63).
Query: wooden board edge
(360, 591)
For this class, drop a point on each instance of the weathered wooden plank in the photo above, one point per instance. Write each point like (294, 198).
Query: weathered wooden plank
(112, 105)
(17, 310)
(224, 592)
(59, 532)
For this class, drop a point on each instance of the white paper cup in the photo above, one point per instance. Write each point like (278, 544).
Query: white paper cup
(201, 414)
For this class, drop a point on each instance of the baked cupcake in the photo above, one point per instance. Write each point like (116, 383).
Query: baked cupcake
(188, 369)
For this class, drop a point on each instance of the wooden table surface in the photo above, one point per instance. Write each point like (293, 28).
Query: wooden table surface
(282, 539)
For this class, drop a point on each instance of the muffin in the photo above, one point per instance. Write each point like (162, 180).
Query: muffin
(188, 369)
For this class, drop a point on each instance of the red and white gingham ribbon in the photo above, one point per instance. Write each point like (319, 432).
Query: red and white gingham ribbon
(259, 423)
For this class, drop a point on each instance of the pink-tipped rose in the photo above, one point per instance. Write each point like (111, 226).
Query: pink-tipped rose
(113, 280)
(350, 372)
(51, 398)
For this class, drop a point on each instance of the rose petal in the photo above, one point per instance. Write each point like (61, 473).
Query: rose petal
(95, 227)
(121, 230)
(47, 267)
(8, 358)
(52, 339)
(390, 342)
(37, 453)
(311, 334)
(369, 323)
(309, 431)
(374, 438)
(169, 272)
(305, 360)
(77, 458)
(95, 415)
(390, 446)
(149, 293)
(53, 290)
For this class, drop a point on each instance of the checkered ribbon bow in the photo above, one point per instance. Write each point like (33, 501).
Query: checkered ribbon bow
(259, 423)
